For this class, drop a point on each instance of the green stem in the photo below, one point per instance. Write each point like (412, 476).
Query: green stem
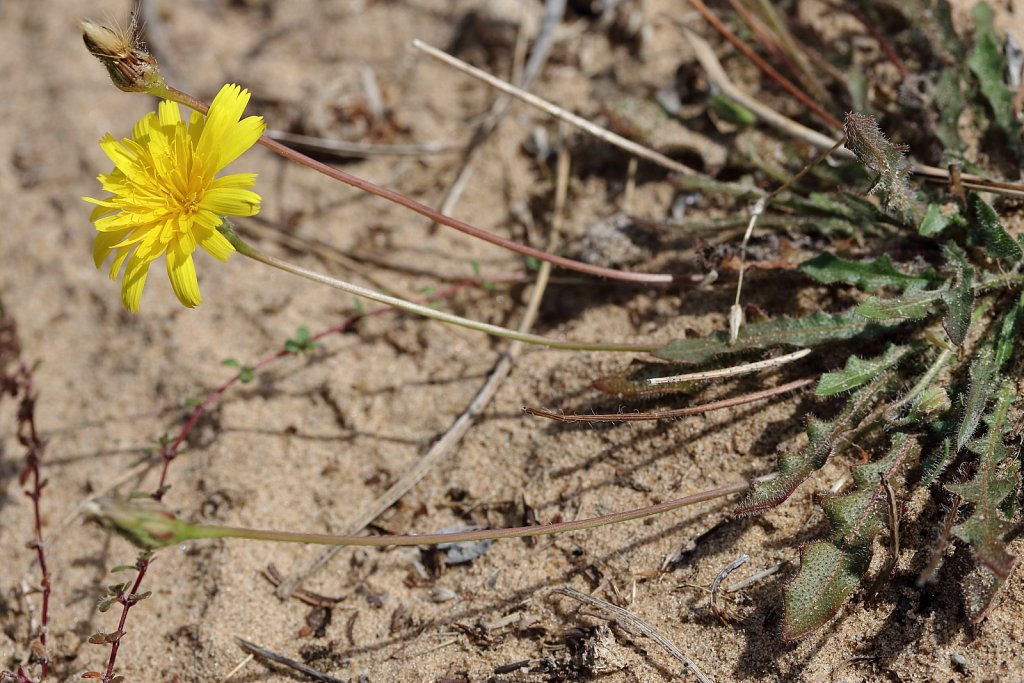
(203, 531)
(184, 98)
(247, 250)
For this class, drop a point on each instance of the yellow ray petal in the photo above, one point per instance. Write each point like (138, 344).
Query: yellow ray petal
(182, 272)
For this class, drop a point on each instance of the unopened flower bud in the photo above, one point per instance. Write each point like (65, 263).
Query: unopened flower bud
(130, 66)
(933, 401)
(143, 521)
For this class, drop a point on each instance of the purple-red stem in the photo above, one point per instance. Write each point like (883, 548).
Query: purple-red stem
(126, 604)
(424, 210)
(28, 436)
(765, 66)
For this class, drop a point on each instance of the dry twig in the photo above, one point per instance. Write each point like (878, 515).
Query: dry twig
(637, 624)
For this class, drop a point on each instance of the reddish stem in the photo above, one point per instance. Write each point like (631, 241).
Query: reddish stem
(679, 412)
(28, 436)
(435, 216)
(126, 604)
(765, 66)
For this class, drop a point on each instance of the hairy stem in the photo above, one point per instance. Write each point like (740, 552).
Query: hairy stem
(247, 250)
(203, 531)
(424, 210)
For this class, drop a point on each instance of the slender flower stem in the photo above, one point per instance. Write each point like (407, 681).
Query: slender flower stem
(424, 210)
(202, 531)
(247, 250)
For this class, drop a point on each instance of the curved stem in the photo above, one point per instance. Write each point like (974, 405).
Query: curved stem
(203, 531)
(246, 250)
(424, 210)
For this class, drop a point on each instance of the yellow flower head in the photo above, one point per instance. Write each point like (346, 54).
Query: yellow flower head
(165, 196)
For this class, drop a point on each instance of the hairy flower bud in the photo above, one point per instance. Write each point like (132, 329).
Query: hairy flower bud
(130, 66)
(143, 521)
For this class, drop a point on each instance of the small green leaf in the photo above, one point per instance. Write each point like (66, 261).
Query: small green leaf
(231, 363)
(858, 372)
(869, 276)
(984, 222)
(121, 568)
(246, 374)
(933, 222)
(912, 305)
(532, 263)
(106, 603)
(730, 110)
(302, 341)
(810, 331)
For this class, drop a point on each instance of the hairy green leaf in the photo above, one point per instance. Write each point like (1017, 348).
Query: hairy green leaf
(810, 331)
(869, 276)
(827, 577)
(824, 437)
(858, 372)
(911, 305)
(995, 478)
(987, 63)
(936, 463)
(959, 299)
(984, 222)
(830, 571)
(1007, 339)
(983, 381)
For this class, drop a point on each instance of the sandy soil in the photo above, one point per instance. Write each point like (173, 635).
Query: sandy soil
(314, 440)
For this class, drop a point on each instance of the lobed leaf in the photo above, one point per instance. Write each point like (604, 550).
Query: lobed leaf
(858, 372)
(995, 478)
(869, 276)
(823, 439)
(831, 570)
(805, 332)
(936, 463)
